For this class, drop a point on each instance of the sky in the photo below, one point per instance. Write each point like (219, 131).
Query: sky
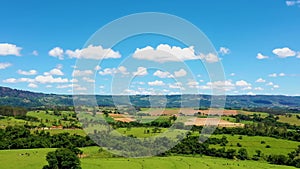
(255, 42)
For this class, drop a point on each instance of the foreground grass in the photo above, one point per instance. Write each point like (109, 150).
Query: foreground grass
(35, 159)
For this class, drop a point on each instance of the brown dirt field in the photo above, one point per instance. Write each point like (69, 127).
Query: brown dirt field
(191, 111)
(116, 115)
(213, 122)
(126, 119)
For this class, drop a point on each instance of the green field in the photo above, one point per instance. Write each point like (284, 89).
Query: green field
(252, 143)
(18, 159)
(292, 119)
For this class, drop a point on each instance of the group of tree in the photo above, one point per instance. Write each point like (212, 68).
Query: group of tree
(63, 158)
(12, 111)
(19, 137)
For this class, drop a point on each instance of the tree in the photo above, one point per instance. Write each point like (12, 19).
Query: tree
(242, 154)
(62, 158)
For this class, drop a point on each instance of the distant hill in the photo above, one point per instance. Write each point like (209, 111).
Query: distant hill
(14, 97)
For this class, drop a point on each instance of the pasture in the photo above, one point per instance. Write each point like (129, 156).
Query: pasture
(19, 159)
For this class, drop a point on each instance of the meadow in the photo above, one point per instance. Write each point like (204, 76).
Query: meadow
(35, 159)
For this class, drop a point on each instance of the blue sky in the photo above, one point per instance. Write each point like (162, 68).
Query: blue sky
(257, 43)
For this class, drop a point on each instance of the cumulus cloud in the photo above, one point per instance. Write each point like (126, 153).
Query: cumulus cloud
(162, 74)
(260, 80)
(9, 49)
(82, 72)
(224, 50)
(50, 79)
(156, 83)
(242, 83)
(93, 52)
(226, 85)
(57, 52)
(32, 85)
(4, 65)
(54, 71)
(97, 68)
(292, 3)
(277, 75)
(261, 56)
(27, 73)
(165, 53)
(180, 73)
(14, 80)
(258, 89)
(113, 71)
(141, 71)
(284, 52)
(35, 53)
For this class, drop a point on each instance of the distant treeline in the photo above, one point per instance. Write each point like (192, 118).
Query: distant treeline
(12, 111)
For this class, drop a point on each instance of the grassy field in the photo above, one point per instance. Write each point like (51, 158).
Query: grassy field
(293, 120)
(252, 143)
(17, 159)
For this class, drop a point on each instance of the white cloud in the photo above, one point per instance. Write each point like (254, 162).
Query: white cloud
(165, 53)
(258, 89)
(176, 85)
(210, 58)
(251, 93)
(261, 56)
(232, 74)
(273, 75)
(32, 85)
(14, 80)
(93, 52)
(270, 84)
(97, 68)
(27, 73)
(9, 49)
(260, 80)
(89, 80)
(5, 65)
(193, 84)
(54, 71)
(73, 80)
(226, 85)
(57, 52)
(162, 74)
(224, 50)
(292, 3)
(108, 71)
(141, 71)
(82, 73)
(156, 83)
(276, 86)
(50, 79)
(276, 75)
(10, 80)
(242, 83)
(35, 53)
(113, 71)
(180, 73)
(284, 52)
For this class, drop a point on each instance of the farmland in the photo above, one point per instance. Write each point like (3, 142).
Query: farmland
(35, 159)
